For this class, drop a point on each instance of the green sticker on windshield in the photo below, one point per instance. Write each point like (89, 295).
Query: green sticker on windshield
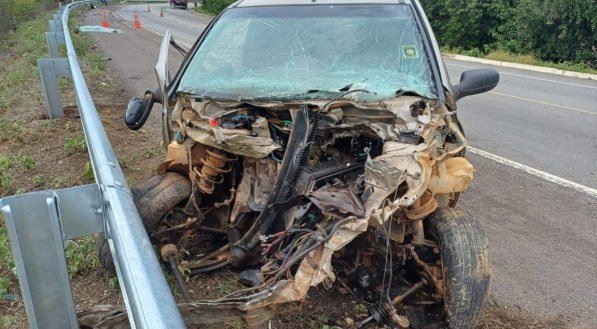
(409, 51)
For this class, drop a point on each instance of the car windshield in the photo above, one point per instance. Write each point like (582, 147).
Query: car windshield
(313, 51)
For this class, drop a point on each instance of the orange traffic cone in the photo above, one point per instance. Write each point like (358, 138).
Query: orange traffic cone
(161, 12)
(148, 9)
(137, 23)
(105, 21)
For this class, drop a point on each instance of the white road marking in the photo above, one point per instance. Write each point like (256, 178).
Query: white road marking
(156, 32)
(528, 77)
(544, 103)
(535, 172)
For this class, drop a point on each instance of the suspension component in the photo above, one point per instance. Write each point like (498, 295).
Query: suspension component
(422, 207)
(214, 165)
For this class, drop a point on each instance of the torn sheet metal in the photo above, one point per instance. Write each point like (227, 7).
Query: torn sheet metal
(339, 200)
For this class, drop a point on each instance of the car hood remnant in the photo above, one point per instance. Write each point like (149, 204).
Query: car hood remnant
(310, 192)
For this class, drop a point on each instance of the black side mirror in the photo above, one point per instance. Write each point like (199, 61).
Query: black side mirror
(138, 109)
(476, 81)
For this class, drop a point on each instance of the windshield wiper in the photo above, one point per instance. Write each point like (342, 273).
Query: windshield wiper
(405, 92)
(325, 107)
(222, 96)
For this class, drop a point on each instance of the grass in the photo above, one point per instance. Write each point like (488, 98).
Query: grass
(7, 268)
(224, 288)
(527, 59)
(80, 255)
(152, 151)
(531, 60)
(27, 162)
(7, 174)
(202, 11)
(88, 172)
(75, 144)
(7, 321)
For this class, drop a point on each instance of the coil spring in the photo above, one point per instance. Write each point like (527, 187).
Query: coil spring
(422, 208)
(214, 165)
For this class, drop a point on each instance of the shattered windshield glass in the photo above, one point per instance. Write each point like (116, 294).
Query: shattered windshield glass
(308, 52)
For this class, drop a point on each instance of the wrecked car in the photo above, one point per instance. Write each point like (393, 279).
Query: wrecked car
(312, 143)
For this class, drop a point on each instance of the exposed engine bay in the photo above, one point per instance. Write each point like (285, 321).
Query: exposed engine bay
(303, 192)
(294, 195)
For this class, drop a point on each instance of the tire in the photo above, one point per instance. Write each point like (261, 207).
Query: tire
(154, 199)
(465, 263)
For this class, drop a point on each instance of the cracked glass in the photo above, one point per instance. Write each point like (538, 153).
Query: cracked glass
(308, 52)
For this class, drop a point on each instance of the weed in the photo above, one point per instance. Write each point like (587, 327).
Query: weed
(96, 61)
(361, 310)
(10, 131)
(39, 180)
(7, 185)
(88, 171)
(27, 162)
(4, 284)
(6, 258)
(57, 182)
(319, 321)
(5, 163)
(236, 324)
(113, 283)
(7, 321)
(75, 144)
(224, 288)
(152, 151)
(80, 254)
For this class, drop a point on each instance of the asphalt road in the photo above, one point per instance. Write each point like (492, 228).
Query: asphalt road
(534, 190)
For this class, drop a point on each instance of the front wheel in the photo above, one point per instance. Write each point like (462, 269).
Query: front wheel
(154, 198)
(465, 265)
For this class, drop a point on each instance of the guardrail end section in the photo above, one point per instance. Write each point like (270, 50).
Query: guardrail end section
(50, 69)
(36, 230)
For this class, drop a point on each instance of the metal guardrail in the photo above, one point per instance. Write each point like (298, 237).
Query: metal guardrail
(39, 223)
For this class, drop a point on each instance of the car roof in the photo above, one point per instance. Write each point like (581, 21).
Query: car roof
(255, 3)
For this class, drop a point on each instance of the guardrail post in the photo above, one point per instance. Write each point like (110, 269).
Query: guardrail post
(38, 251)
(50, 69)
(52, 44)
(38, 223)
(55, 25)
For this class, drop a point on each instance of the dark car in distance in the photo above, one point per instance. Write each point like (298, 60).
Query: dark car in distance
(184, 4)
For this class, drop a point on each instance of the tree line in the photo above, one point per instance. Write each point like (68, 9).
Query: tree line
(551, 30)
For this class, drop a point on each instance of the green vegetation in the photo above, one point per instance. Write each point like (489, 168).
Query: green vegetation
(13, 12)
(7, 321)
(27, 162)
(88, 172)
(215, 6)
(361, 310)
(152, 151)
(80, 254)
(7, 264)
(556, 33)
(75, 144)
(224, 288)
(6, 176)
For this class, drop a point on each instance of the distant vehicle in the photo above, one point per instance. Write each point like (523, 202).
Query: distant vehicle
(183, 4)
(312, 141)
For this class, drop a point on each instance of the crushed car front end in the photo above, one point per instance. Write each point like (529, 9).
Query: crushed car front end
(319, 143)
